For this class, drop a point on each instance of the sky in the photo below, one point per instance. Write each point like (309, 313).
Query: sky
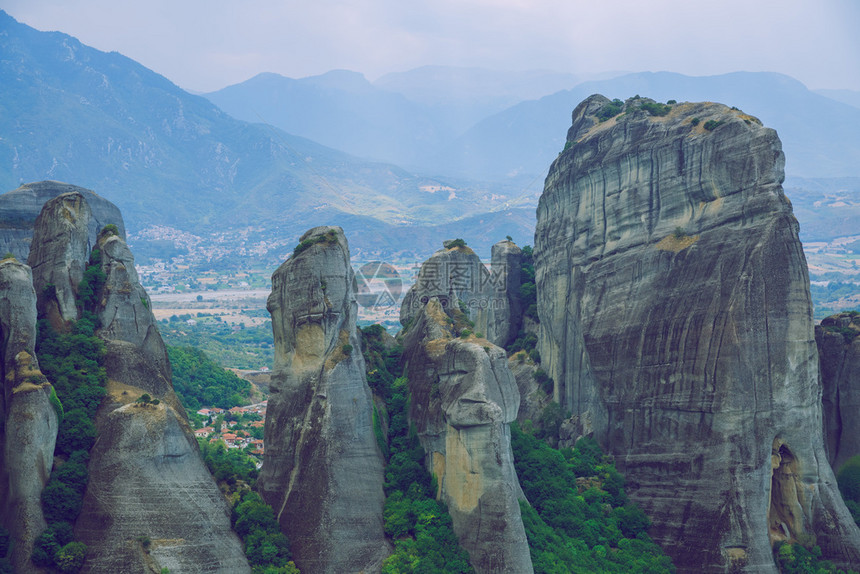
(205, 45)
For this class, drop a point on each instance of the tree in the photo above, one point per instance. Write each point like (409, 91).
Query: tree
(70, 558)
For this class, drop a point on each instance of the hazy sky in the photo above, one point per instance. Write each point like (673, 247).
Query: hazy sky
(204, 45)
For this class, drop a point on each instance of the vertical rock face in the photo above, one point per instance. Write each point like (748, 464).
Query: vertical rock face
(59, 255)
(28, 421)
(840, 382)
(463, 398)
(458, 279)
(677, 324)
(322, 471)
(505, 315)
(146, 476)
(20, 207)
(136, 354)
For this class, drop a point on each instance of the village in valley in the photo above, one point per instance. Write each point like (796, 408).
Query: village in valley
(237, 428)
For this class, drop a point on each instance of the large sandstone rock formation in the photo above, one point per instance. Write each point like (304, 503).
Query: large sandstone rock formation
(322, 471)
(28, 421)
(840, 381)
(456, 277)
(20, 207)
(677, 323)
(146, 476)
(463, 398)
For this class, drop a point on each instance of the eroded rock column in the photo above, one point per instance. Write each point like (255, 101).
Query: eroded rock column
(322, 471)
(463, 398)
(28, 420)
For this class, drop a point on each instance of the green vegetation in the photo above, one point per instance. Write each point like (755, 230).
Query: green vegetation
(456, 243)
(110, 229)
(230, 466)
(800, 558)
(382, 362)
(424, 541)
(544, 380)
(580, 528)
(8, 255)
(679, 233)
(528, 290)
(609, 110)
(528, 298)
(836, 324)
(266, 547)
(199, 381)
(241, 347)
(711, 125)
(848, 479)
(655, 109)
(328, 237)
(146, 400)
(74, 361)
(695, 121)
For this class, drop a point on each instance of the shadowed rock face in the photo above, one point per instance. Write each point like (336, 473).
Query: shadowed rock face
(146, 476)
(463, 398)
(458, 279)
(677, 324)
(506, 313)
(322, 471)
(20, 207)
(28, 422)
(840, 382)
(59, 255)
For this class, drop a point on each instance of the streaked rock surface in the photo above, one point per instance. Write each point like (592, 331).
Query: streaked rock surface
(463, 398)
(20, 207)
(677, 324)
(322, 470)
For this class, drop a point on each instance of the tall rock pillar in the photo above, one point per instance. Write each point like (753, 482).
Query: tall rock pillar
(677, 323)
(463, 398)
(322, 471)
(28, 419)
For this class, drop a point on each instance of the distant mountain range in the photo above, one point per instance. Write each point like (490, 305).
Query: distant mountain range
(281, 155)
(104, 122)
(819, 135)
(412, 119)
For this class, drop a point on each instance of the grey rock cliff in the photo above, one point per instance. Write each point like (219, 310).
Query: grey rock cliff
(136, 354)
(28, 422)
(840, 382)
(322, 471)
(20, 207)
(146, 476)
(463, 398)
(458, 279)
(506, 313)
(677, 324)
(59, 255)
